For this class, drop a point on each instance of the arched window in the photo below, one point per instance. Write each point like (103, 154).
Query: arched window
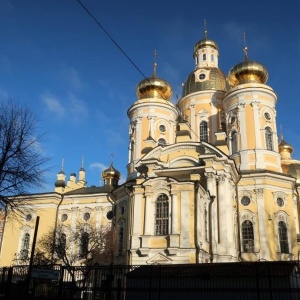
(203, 131)
(25, 246)
(162, 215)
(60, 246)
(212, 57)
(269, 138)
(283, 237)
(234, 142)
(84, 244)
(204, 56)
(162, 142)
(247, 236)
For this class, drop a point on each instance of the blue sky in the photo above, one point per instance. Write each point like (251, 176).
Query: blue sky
(55, 59)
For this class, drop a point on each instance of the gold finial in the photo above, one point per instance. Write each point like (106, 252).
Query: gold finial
(281, 134)
(154, 64)
(245, 49)
(220, 122)
(205, 30)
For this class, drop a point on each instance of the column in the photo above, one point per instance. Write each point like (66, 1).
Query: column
(174, 210)
(264, 250)
(148, 225)
(192, 109)
(222, 209)
(260, 164)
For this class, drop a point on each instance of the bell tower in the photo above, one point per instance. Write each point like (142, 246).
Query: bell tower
(251, 117)
(152, 119)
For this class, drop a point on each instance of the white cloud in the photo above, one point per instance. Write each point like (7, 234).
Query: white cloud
(72, 76)
(102, 117)
(53, 105)
(98, 166)
(114, 137)
(77, 107)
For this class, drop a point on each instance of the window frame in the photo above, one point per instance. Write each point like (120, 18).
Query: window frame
(24, 252)
(234, 142)
(283, 237)
(203, 131)
(269, 139)
(162, 215)
(248, 240)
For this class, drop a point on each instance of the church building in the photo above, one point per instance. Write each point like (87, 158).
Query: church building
(208, 179)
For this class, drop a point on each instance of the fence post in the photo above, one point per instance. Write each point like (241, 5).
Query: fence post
(61, 282)
(257, 281)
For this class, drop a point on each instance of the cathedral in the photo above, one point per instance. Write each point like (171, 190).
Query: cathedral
(208, 179)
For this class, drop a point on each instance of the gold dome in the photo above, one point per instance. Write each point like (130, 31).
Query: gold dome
(289, 165)
(247, 72)
(111, 173)
(216, 81)
(154, 87)
(285, 147)
(205, 43)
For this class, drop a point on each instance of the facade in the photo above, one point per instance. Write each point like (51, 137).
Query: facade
(208, 180)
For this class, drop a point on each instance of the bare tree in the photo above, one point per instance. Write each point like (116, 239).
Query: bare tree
(78, 250)
(21, 158)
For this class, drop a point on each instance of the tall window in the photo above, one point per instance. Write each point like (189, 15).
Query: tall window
(283, 237)
(204, 56)
(25, 246)
(206, 224)
(247, 236)
(162, 215)
(121, 237)
(203, 131)
(234, 142)
(269, 138)
(212, 57)
(61, 244)
(84, 244)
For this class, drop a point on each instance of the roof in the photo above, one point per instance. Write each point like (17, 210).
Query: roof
(91, 190)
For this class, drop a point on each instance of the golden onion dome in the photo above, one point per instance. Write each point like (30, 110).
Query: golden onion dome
(247, 72)
(284, 147)
(289, 165)
(111, 173)
(205, 43)
(215, 80)
(154, 87)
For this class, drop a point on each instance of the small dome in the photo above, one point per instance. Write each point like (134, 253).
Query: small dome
(60, 183)
(289, 165)
(285, 147)
(154, 87)
(247, 72)
(111, 173)
(216, 81)
(205, 43)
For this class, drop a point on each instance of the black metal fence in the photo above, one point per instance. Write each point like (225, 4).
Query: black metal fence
(259, 280)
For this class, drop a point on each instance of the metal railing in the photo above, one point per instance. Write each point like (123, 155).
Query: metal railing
(258, 280)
